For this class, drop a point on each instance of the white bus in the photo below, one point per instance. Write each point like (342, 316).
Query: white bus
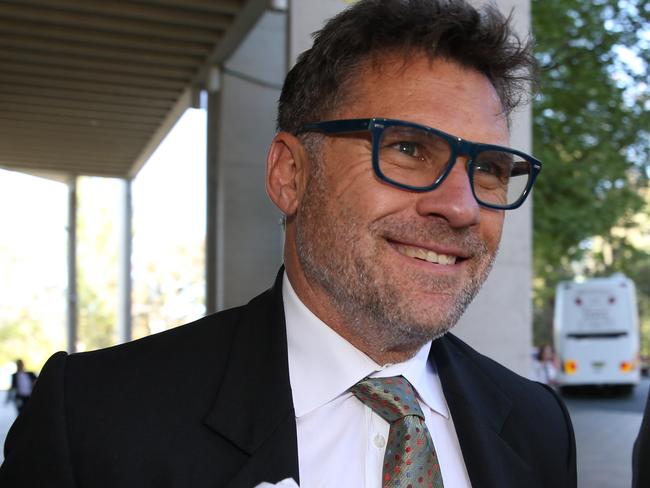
(596, 333)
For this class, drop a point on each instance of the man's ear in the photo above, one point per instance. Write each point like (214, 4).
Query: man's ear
(286, 166)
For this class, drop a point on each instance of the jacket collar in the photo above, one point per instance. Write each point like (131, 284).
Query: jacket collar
(254, 407)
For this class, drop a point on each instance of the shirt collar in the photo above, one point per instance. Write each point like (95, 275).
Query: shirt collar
(323, 365)
(422, 375)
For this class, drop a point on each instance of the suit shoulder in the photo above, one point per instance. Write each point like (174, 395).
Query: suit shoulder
(520, 390)
(211, 331)
(180, 355)
(488, 365)
(180, 358)
(529, 415)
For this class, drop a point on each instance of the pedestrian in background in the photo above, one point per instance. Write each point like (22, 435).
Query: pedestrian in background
(545, 365)
(22, 383)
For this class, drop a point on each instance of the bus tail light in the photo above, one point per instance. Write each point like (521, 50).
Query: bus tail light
(570, 366)
(627, 366)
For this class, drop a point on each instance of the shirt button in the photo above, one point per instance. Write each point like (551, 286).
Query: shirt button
(380, 441)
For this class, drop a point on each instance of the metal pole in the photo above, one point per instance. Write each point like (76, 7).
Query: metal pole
(212, 179)
(72, 309)
(125, 282)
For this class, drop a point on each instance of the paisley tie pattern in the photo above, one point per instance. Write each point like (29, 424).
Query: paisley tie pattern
(410, 459)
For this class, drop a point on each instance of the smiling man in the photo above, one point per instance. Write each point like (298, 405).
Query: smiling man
(386, 267)
(393, 169)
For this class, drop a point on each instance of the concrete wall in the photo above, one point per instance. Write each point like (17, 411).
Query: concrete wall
(249, 237)
(305, 18)
(499, 321)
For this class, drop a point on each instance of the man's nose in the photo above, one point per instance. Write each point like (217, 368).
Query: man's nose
(453, 200)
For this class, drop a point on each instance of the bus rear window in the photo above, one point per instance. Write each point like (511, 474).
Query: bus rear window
(596, 335)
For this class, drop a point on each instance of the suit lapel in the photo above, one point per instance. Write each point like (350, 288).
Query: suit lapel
(479, 410)
(254, 406)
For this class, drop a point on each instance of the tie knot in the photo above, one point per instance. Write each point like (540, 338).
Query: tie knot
(391, 398)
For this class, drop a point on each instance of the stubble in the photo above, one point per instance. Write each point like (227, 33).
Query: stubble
(339, 252)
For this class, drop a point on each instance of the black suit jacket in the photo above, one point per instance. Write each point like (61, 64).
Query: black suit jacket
(209, 405)
(641, 453)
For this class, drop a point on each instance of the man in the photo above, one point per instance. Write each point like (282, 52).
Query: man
(392, 224)
(22, 383)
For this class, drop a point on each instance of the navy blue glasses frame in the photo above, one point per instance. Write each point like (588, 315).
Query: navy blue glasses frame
(458, 146)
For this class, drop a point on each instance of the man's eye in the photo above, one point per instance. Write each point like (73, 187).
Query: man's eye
(489, 168)
(408, 148)
(484, 167)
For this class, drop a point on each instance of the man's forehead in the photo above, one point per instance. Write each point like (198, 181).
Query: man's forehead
(386, 82)
(395, 63)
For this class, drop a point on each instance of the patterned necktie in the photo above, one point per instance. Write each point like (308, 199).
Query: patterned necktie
(410, 460)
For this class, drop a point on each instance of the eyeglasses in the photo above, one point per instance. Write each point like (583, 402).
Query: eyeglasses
(418, 158)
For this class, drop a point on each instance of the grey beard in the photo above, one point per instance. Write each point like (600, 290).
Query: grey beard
(381, 317)
(372, 308)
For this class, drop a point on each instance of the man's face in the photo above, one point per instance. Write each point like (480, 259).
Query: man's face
(386, 268)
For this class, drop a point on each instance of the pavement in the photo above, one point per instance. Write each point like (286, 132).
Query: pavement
(7, 417)
(605, 426)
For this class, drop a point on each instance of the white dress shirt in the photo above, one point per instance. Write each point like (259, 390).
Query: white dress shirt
(23, 384)
(341, 441)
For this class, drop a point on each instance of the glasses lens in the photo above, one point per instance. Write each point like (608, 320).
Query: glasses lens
(411, 156)
(500, 177)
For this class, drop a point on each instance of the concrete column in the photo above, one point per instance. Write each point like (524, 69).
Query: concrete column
(248, 237)
(72, 308)
(305, 18)
(499, 321)
(124, 277)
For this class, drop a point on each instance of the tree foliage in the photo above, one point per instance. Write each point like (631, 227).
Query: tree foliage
(22, 337)
(591, 130)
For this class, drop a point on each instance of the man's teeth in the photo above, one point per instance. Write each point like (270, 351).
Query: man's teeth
(426, 255)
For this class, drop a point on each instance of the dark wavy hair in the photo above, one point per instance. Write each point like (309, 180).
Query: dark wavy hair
(481, 39)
